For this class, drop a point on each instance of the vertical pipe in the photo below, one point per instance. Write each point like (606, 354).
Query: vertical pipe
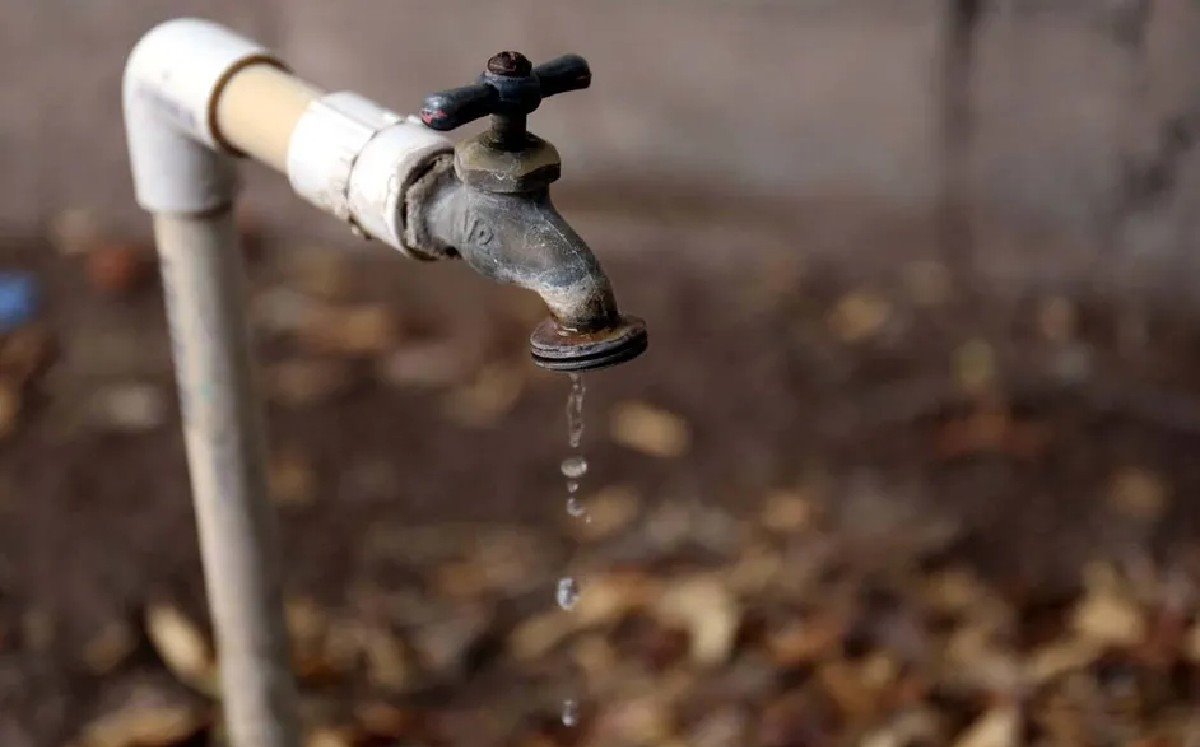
(203, 282)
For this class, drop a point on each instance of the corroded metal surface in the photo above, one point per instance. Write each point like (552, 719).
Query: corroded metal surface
(559, 349)
(494, 211)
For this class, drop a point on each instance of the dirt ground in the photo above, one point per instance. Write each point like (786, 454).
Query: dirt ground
(828, 507)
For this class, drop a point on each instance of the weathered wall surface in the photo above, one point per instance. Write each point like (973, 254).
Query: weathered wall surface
(787, 99)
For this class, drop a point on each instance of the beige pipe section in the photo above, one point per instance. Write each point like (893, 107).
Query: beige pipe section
(258, 108)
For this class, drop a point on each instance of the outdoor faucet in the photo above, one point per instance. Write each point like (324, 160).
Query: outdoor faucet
(196, 97)
(490, 204)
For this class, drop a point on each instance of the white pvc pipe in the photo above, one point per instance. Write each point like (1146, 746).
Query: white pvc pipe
(196, 95)
(203, 284)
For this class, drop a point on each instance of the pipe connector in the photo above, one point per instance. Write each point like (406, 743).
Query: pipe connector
(357, 160)
(172, 80)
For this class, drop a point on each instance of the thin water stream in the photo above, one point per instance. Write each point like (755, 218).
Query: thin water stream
(573, 467)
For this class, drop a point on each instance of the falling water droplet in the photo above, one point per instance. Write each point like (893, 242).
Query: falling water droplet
(572, 487)
(575, 411)
(576, 508)
(567, 593)
(575, 467)
(570, 712)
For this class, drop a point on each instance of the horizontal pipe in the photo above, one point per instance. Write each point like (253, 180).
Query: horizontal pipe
(257, 110)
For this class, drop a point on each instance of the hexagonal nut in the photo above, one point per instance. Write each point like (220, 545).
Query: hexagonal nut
(482, 165)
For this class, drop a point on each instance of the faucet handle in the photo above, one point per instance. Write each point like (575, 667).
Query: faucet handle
(562, 74)
(509, 89)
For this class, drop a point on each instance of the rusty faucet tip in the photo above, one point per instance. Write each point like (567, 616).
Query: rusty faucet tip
(558, 349)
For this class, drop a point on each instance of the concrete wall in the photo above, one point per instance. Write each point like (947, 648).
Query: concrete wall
(787, 99)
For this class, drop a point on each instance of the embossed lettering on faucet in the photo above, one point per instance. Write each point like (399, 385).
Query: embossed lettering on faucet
(478, 232)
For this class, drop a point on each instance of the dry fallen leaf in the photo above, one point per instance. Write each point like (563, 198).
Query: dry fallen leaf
(363, 330)
(634, 721)
(291, 479)
(382, 719)
(612, 595)
(389, 665)
(1108, 618)
(307, 626)
(538, 635)
(597, 659)
(709, 612)
(803, 642)
(996, 728)
(974, 366)
(182, 646)
(846, 689)
(145, 725)
(788, 511)
(758, 567)
(1191, 646)
(952, 590)
(859, 315)
(25, 353)
(130, 406)
(606, 512)
(119, 268)
(650, 430)
(1138, 493)
(1058, 658)
(112, 645)
(330, 737)
(486, 400)
(429, 363)
(444, 646)
(913, 727)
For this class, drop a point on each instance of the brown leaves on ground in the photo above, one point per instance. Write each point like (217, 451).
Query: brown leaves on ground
(780, 637)
(650, 430)
(990, 427)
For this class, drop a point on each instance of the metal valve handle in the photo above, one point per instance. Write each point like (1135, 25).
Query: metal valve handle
(509, 89)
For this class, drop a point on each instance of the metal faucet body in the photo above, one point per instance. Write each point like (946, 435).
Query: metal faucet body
(494, 210)
(521, 239)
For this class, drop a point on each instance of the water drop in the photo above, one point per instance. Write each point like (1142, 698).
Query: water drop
(575, 411)
(567, 593)
(576, 508)
(572, 487)
(570, 712)
(575, 467)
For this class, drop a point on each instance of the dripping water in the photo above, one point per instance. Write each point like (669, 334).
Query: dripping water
(574, 466)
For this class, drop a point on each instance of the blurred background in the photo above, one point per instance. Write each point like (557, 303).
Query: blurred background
(910, 461)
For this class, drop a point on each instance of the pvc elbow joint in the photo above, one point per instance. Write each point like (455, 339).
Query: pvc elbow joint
(345, 154)
(171, 84)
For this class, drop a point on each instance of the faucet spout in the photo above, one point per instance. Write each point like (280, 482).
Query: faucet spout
(521, 239)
